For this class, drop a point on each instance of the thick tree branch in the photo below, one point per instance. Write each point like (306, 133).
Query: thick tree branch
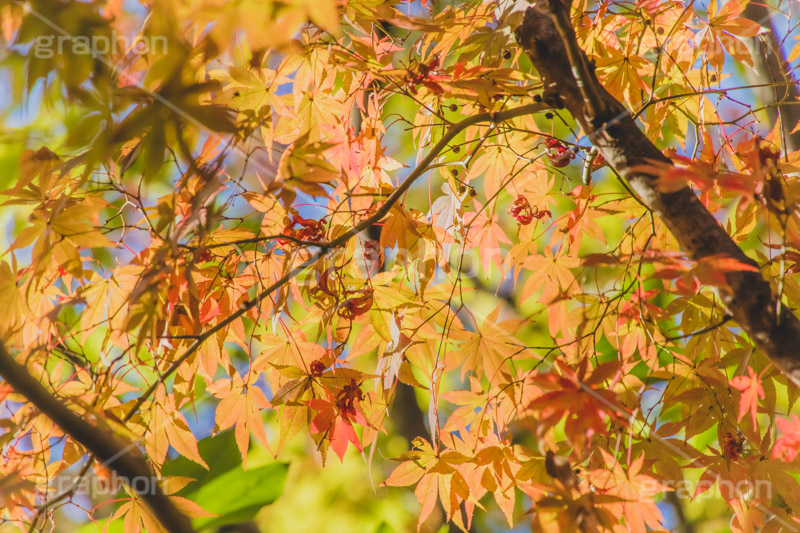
(118, 456)
(683, 525)
(748, 297)
(770, 66)
(593, 101)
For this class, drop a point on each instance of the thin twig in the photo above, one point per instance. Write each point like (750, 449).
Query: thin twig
(706, 329)
(40, 510)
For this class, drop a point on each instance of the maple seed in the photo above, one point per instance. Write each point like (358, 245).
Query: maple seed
(732, 446)
(309, 230)
(598, 161)
(558, 153)
(423, 74)
(346, 399)
(317, 368)
(768, 154)
(204, 256)
(521, 210)
(358, 303)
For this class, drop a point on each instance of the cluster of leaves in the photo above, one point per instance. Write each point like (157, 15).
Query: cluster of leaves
(196, 244)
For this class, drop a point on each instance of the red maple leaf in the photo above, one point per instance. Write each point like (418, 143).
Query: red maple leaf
(787, 444)
(335, 418)
(751, 389)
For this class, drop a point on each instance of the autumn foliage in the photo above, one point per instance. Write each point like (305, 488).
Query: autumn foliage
(303, 221)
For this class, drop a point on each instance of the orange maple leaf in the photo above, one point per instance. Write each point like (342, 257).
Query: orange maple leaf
(751, 389)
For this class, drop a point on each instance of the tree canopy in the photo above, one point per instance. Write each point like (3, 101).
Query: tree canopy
(533, 263)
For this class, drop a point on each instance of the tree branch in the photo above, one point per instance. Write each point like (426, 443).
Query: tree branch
(594, 105)
(770, 65)
(747, 296)
(118, 456)
(683, 524)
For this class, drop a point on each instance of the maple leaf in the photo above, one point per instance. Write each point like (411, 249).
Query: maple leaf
(634, 488)
(447, 212)
(412, 234)
(703, 174)
(638, 307)
(16, 491)
(471, 406)
(240, 405)
(751, 389)
(136, 517)
(392, 358)
(426, 491)
(486, 234)
(169, 428)
(786, 447)
(554, 276)
(436, 476)
(587, 409)
(496, 164)
(720, 470)
(13, 298)
(59, 231)
(622, 70)
(335, 417)
(709, 270)
(408, 473)
(304, 165)
(721, 32)
(487, 351)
